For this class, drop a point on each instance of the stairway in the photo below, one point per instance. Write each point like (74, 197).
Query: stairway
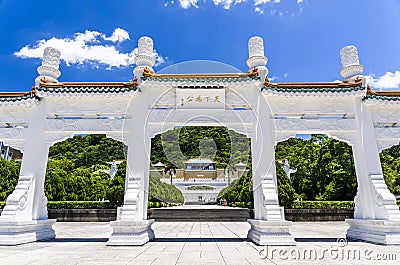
(199, 213)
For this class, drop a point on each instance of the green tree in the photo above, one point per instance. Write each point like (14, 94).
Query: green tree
(390, 161)
(9, 173)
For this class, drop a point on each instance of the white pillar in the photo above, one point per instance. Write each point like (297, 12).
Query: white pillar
(24, 218)
(133, 228)
(7, 153)
(376, 215)
(137, 175)
(268, 226)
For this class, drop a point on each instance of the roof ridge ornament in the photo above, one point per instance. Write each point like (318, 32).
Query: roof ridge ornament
(351, 66)
(256, 59)
(253, 72)
(48, 71)
(145, 57)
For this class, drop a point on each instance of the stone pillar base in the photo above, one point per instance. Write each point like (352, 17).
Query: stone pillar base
(131, 233)
(375, 231)
(271, 233)
(20, 232)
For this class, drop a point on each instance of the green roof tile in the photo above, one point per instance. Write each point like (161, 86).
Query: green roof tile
(312, 89)
(385, 98)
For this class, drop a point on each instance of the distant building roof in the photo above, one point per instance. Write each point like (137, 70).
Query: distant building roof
(199, 161)
(240, 164)
(159, 164)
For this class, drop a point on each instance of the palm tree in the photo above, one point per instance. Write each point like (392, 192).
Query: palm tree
(230, 169)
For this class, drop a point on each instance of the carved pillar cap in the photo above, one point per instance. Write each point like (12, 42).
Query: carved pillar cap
(350, 63)
(256, 56)
(256, 52)
(50, 63)
(48, 71)
(145, 57)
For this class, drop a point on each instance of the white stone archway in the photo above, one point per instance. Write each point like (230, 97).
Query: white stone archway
(133, 112)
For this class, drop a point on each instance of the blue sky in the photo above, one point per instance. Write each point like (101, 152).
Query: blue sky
(97, 38)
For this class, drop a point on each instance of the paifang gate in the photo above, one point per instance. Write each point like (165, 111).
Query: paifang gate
(134, 112)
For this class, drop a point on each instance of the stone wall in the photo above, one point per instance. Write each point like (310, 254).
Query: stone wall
(163, 214)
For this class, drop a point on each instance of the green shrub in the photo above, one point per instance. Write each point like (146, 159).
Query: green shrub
(79, 205)
(200, 188)
(2, 204)
(307, 204)
(9, 172)
(161, 204)
(163, 192)
(323, 205)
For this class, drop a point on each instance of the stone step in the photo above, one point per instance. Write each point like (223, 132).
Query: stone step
(183, 214)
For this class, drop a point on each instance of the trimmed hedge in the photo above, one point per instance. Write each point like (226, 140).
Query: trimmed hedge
(248, 205)
(108, 205)
(80, 205)
(161, 204)
(201, 188)
(92, 205)
(97, 205)
(323, 205)
(307, 204)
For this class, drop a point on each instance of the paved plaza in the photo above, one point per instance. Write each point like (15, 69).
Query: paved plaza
(198, 243)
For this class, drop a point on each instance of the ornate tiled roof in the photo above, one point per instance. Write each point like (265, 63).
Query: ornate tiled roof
(315, 87)
(202, 78)
(211, 78)
(388, 95)
(18, 97)
(87, 87)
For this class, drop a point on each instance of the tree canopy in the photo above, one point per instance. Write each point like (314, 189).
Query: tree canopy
(325, 167)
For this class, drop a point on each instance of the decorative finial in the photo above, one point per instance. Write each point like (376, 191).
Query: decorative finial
(145, 57)
(256, 56)
(48, 71)
(351, 66)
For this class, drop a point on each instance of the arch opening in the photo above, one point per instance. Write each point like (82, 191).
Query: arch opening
(197, 158)
(390, 162)
(316, 167)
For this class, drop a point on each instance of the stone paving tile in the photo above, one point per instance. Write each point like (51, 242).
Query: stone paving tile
(183, 243)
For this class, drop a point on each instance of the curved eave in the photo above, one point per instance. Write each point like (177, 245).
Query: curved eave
(202, 78)
(18, 98)
(71, 88)
(314, 90)
(382, 99)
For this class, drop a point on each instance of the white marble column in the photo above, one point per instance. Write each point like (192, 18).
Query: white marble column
(132, 227)
(268, 226)
(376, 215)
(24, 218)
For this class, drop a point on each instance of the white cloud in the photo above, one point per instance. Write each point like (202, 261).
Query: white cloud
(227, 3)
(260, 2)
(90, 47)
(387, 81)
(119, 35)
(185, 4)
(258, 10)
